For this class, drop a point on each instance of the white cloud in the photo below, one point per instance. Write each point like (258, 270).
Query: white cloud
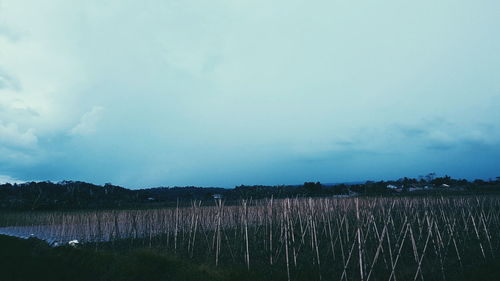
(88, 122)
(9, 179)
(41, 80)
(12, 136)
(17, 146)
(39, 69)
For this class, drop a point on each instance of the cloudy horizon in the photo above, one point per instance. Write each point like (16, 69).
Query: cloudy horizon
(223, 93)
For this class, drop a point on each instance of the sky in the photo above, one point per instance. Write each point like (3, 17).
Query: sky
(229, 92)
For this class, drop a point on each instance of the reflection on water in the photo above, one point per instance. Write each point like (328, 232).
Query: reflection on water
(53, 234)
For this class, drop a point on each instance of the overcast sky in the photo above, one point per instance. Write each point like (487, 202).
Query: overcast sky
(229, 92)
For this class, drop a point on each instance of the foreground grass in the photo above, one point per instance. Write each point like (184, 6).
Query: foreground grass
(33, 259)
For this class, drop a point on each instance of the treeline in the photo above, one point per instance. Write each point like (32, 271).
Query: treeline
(81, 195)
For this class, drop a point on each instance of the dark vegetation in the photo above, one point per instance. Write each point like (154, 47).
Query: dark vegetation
(80, 195)
(33, 260)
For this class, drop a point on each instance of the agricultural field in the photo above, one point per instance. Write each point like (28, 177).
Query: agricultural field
(383, 238)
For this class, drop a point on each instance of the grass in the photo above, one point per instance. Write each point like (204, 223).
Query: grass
(33, 259)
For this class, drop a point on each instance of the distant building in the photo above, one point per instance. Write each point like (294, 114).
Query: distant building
(352, 193)
(217, 196)
(391, 186)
